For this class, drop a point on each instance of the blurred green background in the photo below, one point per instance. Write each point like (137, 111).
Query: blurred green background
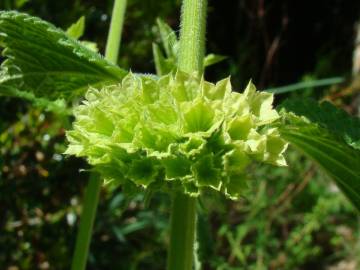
(291, 218)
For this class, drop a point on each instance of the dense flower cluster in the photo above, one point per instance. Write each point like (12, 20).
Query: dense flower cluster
(176, 132)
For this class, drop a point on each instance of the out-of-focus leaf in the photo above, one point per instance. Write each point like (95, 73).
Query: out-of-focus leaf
(168, 39)
(326, 115)
(162, 65)
(77, 29)
(20, 3)
(57, 106)
(90, 45)
(43, 60)
(121, 232)
(166, 61)
(212, 59)
(322, 144)
(304, 85)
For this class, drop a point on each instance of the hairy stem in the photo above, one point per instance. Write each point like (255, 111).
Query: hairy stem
(192, 36)
(116, 26)
(92, 192)
(183, 211)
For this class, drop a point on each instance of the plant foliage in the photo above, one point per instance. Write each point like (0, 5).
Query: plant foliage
(327, 116)
(330, 137)
(45, 61)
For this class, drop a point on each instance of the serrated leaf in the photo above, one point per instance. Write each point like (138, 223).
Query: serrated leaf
(43, 60)
(326, 115)
(90, 45)
(333, 154)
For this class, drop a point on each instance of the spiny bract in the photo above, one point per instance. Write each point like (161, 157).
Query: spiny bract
(176, 132)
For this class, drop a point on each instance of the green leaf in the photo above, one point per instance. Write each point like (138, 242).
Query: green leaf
(331, 152)
(90, 45)
(198, 116)
(305, 84)
(43, 60)
(57, 106)
(165, 62)
(20, 3)
(326, 115)
(168, 39)
(206, 173)
(162, 65)
(176, 166)
(143, 171)
(212, 59)
(76, 30)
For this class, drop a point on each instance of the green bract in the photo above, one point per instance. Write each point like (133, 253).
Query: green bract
(176, 132)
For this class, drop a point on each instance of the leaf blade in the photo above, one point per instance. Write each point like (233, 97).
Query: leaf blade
(43, 60)
(310, 131)
(335, 120)
(305, 84)
(346, 175)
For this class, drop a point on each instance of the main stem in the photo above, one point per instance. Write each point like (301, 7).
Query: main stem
(192, 36)
(183, 211)
(92, 191)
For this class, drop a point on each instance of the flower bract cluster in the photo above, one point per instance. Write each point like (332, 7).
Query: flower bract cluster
(176, 132)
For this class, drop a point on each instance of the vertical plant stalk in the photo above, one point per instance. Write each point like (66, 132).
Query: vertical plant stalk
(182, 232)
(192, 36)
(183, 211)
(88, 214)
(93, 188)
(116, 26)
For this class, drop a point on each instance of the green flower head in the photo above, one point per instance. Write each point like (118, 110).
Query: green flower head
(176, 132)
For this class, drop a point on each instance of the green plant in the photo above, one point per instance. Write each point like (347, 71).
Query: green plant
(92, 192)
(229, 135)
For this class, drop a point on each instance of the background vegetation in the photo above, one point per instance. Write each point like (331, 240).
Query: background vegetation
(290, 218)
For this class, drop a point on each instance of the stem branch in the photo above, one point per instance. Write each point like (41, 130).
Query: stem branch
(88, 214)
(116, 26)
(92, 191)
